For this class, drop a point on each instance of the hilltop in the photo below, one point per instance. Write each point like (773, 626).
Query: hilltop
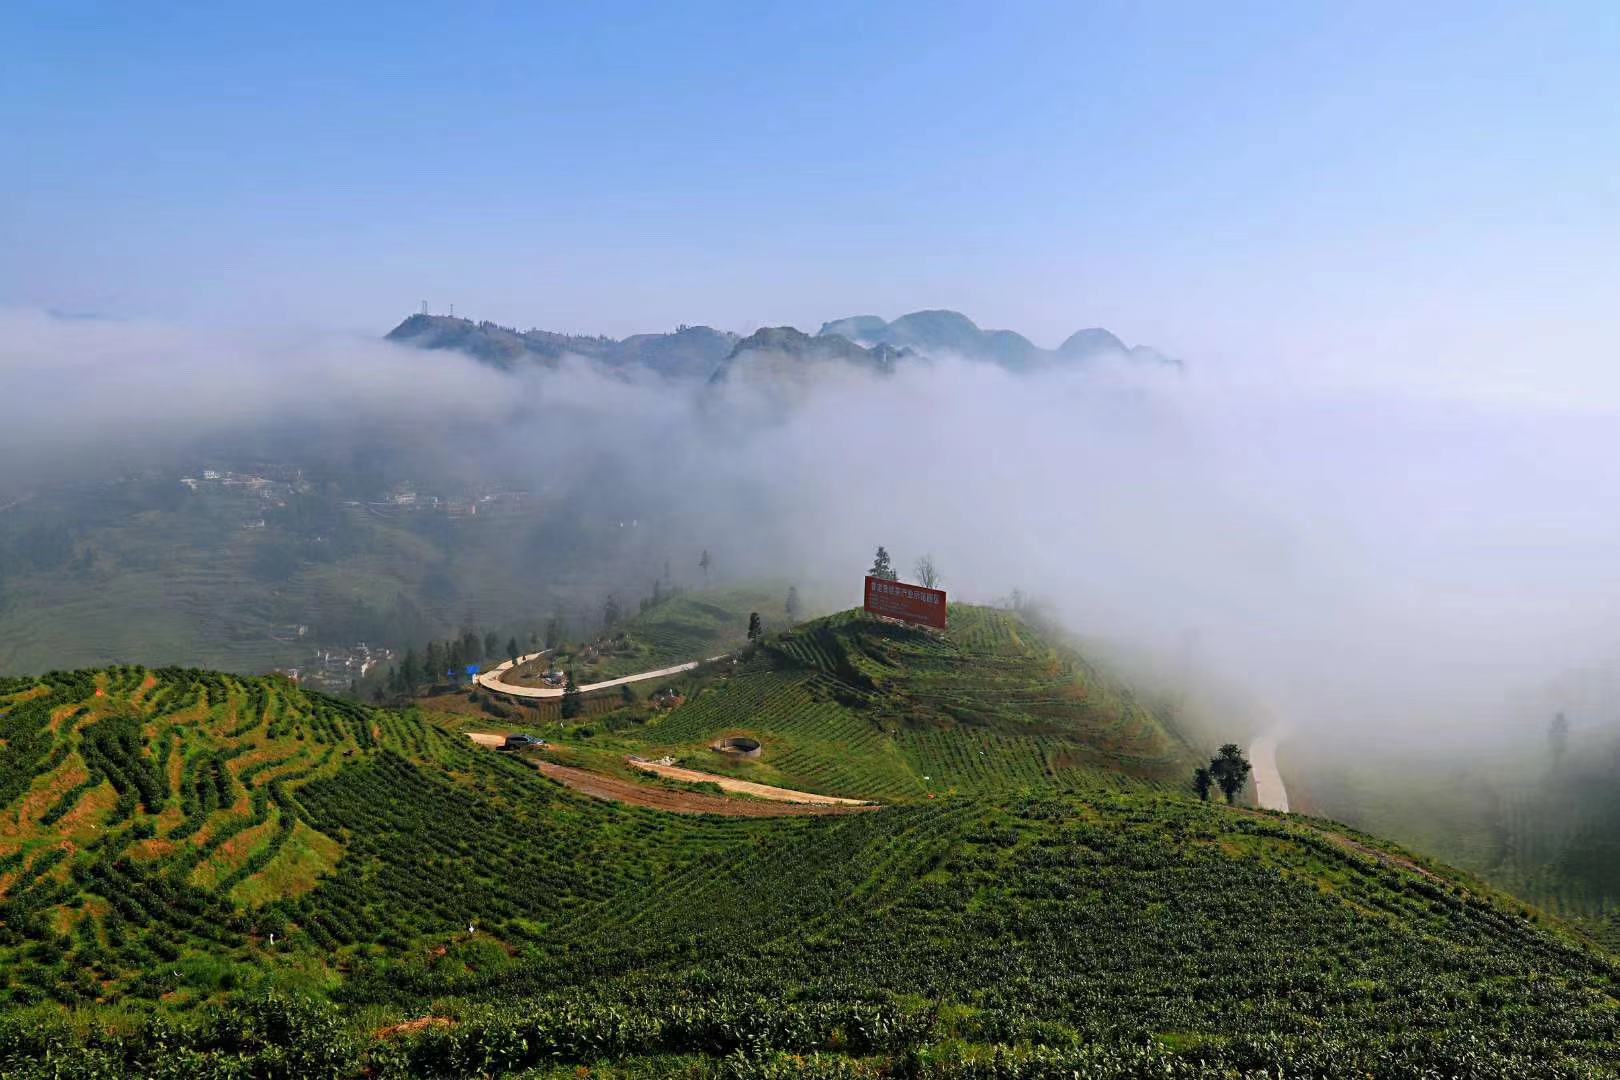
(852, 706)
(232, 873)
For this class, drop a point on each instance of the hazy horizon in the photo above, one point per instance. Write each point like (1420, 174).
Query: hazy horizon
(1317, 189)
(1336, 556)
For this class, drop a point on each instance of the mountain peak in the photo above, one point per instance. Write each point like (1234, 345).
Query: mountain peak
(1084, 344)
(772, 346)
(940, 331)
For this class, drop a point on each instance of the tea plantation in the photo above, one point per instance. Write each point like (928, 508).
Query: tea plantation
(220, 876)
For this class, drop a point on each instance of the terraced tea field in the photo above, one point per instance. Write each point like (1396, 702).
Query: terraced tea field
(204, 875)
(814, 742)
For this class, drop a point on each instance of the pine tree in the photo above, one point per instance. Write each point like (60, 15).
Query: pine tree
(756, 628)
(704, 563)
(554, 632)
(1229, 770)
(882, 567)
(472, 647)
(572, 704)
(432, 664)
(512, 649)
(792, 605)
(410, 671)
(1202, 782)
(1558, 738)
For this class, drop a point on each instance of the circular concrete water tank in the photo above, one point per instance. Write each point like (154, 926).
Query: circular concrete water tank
(739, 746)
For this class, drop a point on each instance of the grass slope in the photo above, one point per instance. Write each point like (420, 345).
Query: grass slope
(687, 626)
(157, 828)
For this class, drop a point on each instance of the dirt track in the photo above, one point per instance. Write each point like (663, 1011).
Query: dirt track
(614, 789)
(784, 801)
(743, 787)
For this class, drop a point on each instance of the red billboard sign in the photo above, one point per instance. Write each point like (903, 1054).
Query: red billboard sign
(909, 603)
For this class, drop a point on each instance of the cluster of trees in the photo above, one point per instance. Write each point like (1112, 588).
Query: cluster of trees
(613, 613)
(450, 659)
(1227, 770)
(926, 569)
(792, 607)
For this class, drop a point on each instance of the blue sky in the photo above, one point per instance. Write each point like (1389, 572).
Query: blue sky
(1307, 185)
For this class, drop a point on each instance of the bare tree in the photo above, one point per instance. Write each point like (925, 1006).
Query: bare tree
(927, 571)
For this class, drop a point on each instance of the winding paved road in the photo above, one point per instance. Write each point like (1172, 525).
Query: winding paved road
(1268, 785)
(491, 680)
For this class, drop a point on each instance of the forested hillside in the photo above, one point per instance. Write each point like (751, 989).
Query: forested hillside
(227, 576)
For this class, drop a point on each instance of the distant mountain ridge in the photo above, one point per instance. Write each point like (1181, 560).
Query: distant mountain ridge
(702, 352)
(950, 332)
(687, 352)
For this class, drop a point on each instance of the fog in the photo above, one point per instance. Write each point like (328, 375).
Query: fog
(1343, 557)
(1352, 559)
